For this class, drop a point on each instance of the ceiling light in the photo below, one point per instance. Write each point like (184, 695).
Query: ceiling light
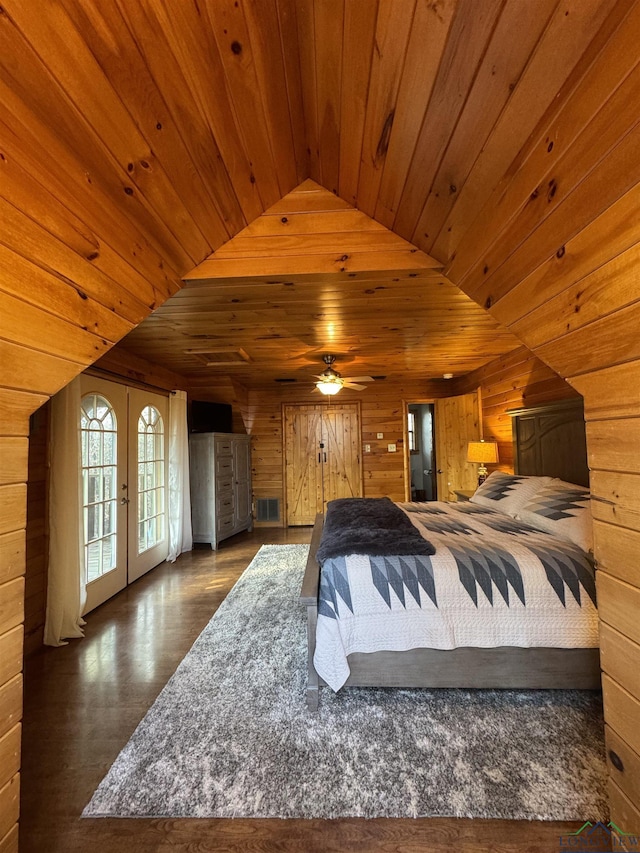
(447, 375)
(329, 385)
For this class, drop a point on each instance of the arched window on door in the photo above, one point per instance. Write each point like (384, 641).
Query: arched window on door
(151, 479)
(98, 430)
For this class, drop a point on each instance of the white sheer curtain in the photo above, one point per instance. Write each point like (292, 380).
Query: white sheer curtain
(66, 594)
(180, 535)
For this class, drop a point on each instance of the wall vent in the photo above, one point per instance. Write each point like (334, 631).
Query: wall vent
(219, 357)
(267, 509)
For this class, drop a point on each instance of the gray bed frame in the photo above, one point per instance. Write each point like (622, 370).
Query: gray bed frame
(547, 440)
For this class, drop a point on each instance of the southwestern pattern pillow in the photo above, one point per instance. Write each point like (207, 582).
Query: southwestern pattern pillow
(508, 493)
(562, 509)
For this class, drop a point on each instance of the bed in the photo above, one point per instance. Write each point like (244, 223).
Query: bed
(511, 553)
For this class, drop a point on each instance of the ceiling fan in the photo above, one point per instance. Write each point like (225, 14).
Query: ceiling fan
(330, 381)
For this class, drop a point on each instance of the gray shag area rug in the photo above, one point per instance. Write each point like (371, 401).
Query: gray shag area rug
(230, 736)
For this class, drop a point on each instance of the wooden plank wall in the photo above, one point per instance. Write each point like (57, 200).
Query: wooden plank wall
(122, 366)
(37, 533)
(381, 411)
(518, 379)
(511, 382)
(508, 382)
(554, 255)
(612, 411)
(15, 408)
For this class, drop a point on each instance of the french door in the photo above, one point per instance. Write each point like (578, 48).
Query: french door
(124, 476)
(147, 522)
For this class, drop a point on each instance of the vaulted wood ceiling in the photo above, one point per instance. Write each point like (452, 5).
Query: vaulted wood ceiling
(311, 276)
(138, 136)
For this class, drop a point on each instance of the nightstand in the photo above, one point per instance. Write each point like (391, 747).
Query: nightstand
(464, 494)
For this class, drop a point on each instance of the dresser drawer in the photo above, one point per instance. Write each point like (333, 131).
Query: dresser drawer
(224, 525)
(224, 505)
(223, 446)
(224, 466)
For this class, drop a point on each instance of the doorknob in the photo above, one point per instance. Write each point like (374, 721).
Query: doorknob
(124, 500)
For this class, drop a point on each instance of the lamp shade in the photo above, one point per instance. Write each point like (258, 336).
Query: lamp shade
(482, 451)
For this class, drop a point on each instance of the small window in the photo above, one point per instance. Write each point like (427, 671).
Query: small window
(411, 430)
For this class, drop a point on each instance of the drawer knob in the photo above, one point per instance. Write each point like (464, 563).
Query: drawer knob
(616, 760)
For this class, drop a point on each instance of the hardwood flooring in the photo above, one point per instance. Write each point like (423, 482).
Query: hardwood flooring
(83, 701)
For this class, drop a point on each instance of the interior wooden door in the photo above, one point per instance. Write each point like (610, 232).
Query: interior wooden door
(322, 458)
(457, 421)
(303, 463)
(342, 467)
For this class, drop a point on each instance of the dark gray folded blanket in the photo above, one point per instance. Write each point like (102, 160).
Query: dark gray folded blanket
(374, 526)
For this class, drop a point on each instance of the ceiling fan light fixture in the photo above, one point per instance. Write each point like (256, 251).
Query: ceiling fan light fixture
(329, 386)
(330, 381)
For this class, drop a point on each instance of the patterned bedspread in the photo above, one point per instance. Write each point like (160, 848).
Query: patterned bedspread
(492, 581)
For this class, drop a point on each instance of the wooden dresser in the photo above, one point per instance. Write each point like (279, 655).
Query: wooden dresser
(220, 469)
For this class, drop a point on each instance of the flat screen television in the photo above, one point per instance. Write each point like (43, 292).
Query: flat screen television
(210, 417)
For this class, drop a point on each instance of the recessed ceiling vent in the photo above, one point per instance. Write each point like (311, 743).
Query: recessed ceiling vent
(223, 357)
(286, 380)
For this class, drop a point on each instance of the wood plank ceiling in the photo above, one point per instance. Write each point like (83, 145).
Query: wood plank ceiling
(139, 137)
(313, 275)
(417, 113)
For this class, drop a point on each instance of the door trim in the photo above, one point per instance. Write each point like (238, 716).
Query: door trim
(423, 401)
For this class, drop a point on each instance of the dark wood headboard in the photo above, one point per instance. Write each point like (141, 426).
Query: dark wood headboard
(551, 440)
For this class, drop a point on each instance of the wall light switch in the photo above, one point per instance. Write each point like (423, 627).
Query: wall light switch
(391, 448)
(367, 448)
(380, 435)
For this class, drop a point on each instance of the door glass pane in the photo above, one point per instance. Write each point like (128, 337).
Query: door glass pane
(98, 434)
(151, 491)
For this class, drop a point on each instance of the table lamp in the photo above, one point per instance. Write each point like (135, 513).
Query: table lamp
(484, 452)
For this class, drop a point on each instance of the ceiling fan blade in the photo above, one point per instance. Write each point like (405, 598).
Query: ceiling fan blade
(353, 386)
(359, 379)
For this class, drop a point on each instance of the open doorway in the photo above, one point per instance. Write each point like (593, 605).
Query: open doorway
(421, 451)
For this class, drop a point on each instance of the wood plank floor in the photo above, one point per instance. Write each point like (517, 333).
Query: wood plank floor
(83, 701)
